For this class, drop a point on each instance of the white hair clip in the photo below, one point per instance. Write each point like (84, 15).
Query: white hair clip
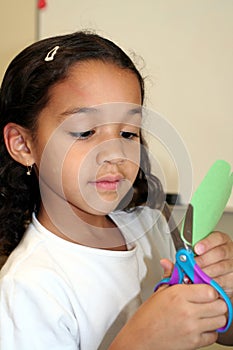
(50, 55)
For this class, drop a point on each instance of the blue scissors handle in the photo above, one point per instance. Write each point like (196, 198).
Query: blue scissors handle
(186, 266)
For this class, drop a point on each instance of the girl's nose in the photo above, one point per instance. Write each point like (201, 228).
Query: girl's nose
(111, 151)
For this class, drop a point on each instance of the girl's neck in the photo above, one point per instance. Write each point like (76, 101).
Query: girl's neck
(84, 229)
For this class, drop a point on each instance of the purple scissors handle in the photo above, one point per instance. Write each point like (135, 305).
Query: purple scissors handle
(176, 278)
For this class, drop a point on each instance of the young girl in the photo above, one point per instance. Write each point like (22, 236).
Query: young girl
(81, 212)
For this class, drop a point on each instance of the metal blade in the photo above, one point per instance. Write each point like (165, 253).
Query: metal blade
(188, 225)
(175, 233)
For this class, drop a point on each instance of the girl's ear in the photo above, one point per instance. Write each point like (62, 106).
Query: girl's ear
(18, 143)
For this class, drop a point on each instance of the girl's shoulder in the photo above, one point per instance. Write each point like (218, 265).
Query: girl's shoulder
(141, 217)
(147, 228)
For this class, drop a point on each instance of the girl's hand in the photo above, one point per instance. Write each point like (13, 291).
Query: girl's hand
(181, 317)
(215, 257)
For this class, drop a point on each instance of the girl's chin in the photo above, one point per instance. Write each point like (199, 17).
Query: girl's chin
(104, 206)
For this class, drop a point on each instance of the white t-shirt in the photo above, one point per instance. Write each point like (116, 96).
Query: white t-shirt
(63, 296)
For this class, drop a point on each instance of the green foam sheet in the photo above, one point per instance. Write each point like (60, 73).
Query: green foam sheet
(210, 199)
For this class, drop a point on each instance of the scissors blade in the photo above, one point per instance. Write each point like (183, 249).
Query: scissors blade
(188, 226)
(175, 233)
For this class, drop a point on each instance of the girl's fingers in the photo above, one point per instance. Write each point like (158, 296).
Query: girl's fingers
(215, 239)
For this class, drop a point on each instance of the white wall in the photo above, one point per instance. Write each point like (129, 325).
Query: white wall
(17, 27)
(187, 46)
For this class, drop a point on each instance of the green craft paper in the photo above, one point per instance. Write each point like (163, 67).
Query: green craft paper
(210, 199)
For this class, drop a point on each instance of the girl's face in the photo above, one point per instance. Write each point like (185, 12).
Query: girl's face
(87, 149)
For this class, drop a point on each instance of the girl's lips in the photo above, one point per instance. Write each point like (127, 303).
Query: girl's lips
(107, 183)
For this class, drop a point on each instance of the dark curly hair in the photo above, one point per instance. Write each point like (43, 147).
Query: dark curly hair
(23, 95)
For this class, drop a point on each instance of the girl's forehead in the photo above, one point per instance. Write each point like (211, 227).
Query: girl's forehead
(99, 82)
(95, 84)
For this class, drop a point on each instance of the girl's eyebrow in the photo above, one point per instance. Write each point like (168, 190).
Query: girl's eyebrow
(136, 110)
(78, 110)
(94, 110)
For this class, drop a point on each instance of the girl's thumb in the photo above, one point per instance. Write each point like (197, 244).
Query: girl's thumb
(167, 266)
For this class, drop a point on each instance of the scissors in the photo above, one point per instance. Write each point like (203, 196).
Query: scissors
(186, 269)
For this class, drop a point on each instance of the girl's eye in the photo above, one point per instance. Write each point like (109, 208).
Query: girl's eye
(82, 135)
(128, 135)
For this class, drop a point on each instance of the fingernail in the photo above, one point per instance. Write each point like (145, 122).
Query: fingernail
(200, 248)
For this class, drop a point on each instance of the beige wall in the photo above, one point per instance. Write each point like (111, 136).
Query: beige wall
(17, 28)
